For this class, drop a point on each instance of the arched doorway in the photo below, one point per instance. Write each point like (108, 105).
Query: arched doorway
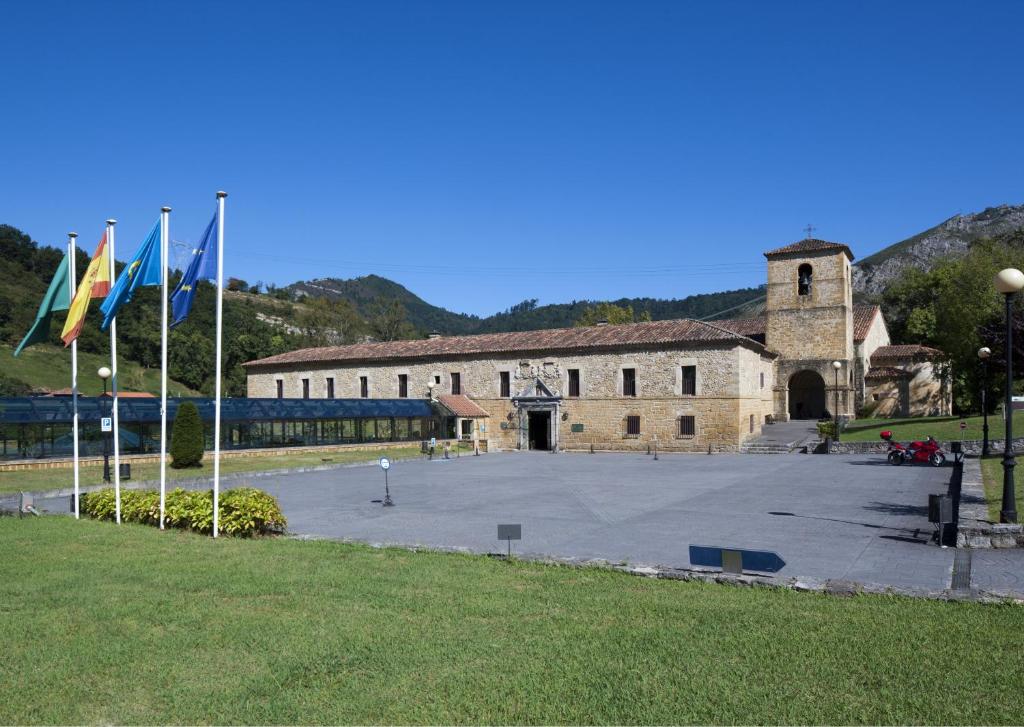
(806, 396)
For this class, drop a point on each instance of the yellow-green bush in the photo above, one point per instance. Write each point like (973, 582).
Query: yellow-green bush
(244, 511)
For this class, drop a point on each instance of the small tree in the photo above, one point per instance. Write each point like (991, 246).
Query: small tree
(187, 441)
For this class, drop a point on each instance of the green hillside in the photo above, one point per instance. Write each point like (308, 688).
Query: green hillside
(49, 367)
(26, 269)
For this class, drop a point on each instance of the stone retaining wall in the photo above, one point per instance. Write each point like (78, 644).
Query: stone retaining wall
(971, 447)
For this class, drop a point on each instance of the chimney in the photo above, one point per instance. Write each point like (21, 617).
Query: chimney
(602, 322)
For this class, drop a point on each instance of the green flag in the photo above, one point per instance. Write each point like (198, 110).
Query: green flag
(57, 298)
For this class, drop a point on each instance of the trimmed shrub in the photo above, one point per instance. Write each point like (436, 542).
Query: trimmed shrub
(187, 440)
(244, 512)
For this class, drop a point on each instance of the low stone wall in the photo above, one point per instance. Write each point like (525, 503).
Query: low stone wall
(68, 462)
(971, 447)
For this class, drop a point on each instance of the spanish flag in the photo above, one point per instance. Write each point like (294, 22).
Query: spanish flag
(95, 284)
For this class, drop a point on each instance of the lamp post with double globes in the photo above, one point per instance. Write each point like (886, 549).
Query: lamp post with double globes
(835, 417)
(104, 373)
(1009, 282)
(983, 353)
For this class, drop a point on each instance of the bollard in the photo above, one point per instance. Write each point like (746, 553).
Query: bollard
(648, 449)
(591, 448)
(476, 450)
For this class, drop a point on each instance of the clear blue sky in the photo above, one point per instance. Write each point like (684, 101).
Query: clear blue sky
(481, 152)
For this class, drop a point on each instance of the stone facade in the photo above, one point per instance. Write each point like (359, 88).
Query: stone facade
(732, 399)
(746, 371)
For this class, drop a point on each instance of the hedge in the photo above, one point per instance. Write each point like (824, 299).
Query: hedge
(244, 511)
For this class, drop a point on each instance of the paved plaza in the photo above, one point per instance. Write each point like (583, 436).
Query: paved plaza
(829, 517)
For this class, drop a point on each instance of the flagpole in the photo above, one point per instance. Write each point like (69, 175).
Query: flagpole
(113, 382)
(165, 213)
(74, 364)
(216, 385)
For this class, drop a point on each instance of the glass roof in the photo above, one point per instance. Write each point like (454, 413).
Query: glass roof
(47, 409)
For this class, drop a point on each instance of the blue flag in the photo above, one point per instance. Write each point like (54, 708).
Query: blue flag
(203, 265)
(143, 269)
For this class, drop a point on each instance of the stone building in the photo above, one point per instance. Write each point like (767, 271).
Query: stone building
(682, 384)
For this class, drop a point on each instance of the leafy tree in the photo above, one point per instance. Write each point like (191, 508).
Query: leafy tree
(611, 313)
(389, 322)
(237, 284)
(330, 322)
(187, 440)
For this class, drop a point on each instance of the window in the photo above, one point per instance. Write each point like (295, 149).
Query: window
(364, 387)
(574, 382)
(403, 386)
(633, 426)
(804, 277)
(456, 382)
(504, 384)
(280, 389)
(689, 387)
(687, 427)
(751, 423)
(762, 379)
(330, 387)
(305, 388)
(629, 382)
(437, 379)
(467, 429)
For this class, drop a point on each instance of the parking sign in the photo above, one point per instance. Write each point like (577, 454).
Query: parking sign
(106, 424)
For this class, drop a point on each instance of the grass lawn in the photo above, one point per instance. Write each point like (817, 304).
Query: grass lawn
(47, 479)
(992, 474)
(127, 625)
(942, 428)
(48, 366)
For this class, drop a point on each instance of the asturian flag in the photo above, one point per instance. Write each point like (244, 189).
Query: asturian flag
(143, 269)
(203, 265)
(95, 284)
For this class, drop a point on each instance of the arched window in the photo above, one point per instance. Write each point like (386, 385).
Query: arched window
(804, 277)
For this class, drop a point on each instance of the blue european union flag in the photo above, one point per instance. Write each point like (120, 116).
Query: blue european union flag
(142, 269)
(202, 265)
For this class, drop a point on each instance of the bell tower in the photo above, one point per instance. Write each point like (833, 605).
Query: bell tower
(809, 315)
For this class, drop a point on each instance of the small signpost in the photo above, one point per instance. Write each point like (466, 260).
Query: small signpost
(106, 424)
(385, 464)
(736, 560)
(510, 532)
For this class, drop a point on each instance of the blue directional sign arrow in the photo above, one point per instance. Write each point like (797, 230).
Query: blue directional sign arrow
(710, 556)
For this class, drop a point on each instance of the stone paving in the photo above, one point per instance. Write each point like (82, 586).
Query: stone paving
(829, 517)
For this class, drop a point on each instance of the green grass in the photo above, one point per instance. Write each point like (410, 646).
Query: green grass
(992, 475)
(128, 625)
(942, 428)
(49, 367)
(49, 479)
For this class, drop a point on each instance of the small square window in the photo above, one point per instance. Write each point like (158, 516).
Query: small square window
(633, 426)
(687, 426)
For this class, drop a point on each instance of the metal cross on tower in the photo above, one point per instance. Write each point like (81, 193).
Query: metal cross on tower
(810, 230)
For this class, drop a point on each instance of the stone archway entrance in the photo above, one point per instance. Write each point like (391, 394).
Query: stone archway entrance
(806, 395)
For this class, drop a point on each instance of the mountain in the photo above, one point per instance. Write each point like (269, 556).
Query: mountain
(952, 238)
(366, 295)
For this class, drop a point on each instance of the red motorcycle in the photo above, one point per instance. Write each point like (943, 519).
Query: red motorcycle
(926, 452)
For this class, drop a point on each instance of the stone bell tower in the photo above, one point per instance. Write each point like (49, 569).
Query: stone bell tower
(810, 324)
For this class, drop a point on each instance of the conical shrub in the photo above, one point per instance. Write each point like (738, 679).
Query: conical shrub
(187, 439)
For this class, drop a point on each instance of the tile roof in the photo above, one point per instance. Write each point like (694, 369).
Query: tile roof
(461, 405)
(886, 372)
(755, 328)
(811, 245)
(863, 317)
(906, 351)
(555, 339)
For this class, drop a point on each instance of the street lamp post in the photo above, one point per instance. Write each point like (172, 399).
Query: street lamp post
(104, 373)
(1009, 282)
(835, 417)
(983, 354)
